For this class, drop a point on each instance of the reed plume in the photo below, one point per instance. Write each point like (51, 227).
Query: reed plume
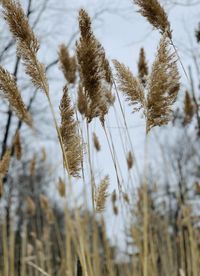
(188, 109)
(101, 195)
(10, 91)
(163, 86)
(95, 72)
(70, 137)
(130, 160)
(67, 64)
(130, 86)
(4, 166)
(155, 14)
(161, 90)
(96, 142)
(17, 146)
(142, 67)
(27, 43)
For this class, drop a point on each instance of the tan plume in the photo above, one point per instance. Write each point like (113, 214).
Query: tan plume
(10, 91)
(27, 43)
(95, 72)
(155, 14)
(70, 137)
(189, 109)
(130, 86)
(67, 64)
(102, 194)
(163, 86)
(17, 146)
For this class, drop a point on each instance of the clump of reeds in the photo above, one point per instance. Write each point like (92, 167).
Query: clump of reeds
(70, 137)
(95, 72)
(161, 90)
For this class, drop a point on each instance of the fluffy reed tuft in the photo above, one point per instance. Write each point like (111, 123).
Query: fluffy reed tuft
(155, 14)
(163, 86)
(4, 163)
(70, 137)
(4, 166)
(130, 86)
(101, 195)
(142, 67)
(96, 142)
(27, 43)
(17, 146)
(10, 91)
(67, 64)
(188, 109)
(94, 70)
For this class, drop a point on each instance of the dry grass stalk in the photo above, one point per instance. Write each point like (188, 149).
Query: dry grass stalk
(96, 142)
(70, 137)
(130, 160)
(155, 14)
(130, 86)
(163, 86)
(101, 195)
(189, 109)
(67, 64)
(10, 91)
(95, 72)
(27, 43)
(17, 146)
(142, 67)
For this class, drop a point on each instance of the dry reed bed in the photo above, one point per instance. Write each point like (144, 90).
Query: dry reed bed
(80, 246)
